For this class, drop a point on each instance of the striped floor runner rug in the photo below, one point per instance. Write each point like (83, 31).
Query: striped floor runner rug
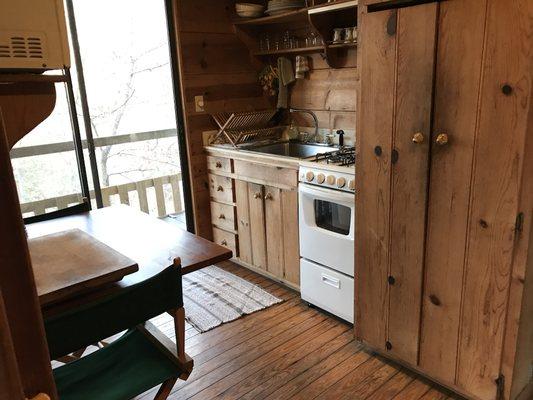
(213, 296)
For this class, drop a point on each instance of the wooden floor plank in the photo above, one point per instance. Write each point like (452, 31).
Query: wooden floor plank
(314, 389)
(302, 331)
(393, 386)
(289, 351)
(303, 380)
(277, 375)
(280, 361)
(413, 391)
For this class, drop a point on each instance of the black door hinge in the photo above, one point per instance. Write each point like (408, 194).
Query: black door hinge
(519, 223)
(500, 383)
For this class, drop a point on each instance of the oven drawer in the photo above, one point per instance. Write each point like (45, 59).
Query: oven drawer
(327, 289)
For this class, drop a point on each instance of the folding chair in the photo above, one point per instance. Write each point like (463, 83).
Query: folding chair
(139, 360)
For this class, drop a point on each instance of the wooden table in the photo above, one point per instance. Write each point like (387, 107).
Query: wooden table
(152, 243)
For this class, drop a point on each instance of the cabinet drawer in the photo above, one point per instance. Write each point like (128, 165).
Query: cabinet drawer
(223, 216)
(221, 188)
(268, 174)
(226, 239)
(218, 164)
(327, 289)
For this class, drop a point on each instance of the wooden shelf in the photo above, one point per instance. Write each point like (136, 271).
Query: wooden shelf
(290, 16)
(341, 45)
(298, 15)
(321, 19)
(14, 78)
(313, 49)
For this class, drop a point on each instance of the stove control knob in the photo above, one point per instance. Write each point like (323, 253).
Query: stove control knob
(320, 178)
(309, 176)
(351, 185)
(330, 180)
(341, 182)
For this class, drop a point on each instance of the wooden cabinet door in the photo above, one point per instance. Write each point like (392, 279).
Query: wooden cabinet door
(243, 221)
(274, 230)
(257, 225)
(396, 64)
(291, 242)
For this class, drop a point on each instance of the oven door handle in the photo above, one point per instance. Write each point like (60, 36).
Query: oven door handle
(327, 194)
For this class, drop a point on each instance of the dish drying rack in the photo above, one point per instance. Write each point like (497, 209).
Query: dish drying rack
(241, 127)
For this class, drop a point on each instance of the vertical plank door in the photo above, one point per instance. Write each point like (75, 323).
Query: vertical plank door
(257, 225)
(274, 231)
(458, 78)
(243, 221)
(503, 115)
(376, 63)
(415, 58)
(291, 242)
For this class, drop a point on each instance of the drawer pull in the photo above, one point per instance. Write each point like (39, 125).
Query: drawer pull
(269, 196)
(328, 280)
(221, 216)
(220, 188)
(257, 195)
(224, 242)
(218, 164)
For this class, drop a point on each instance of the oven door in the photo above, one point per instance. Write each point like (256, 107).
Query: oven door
(327, 225)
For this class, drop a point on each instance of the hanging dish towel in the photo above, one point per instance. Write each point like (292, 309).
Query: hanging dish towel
(286, 77)
(302, 66)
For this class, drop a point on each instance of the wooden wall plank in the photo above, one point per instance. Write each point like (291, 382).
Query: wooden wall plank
(458, 66)
(414, 91)
(17, 282)
(498, 161)
(377, 65)
(10, 383)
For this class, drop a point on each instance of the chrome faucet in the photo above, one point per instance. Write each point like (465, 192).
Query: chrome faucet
(310, 112)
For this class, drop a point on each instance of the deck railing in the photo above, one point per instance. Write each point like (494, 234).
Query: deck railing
(160, 195)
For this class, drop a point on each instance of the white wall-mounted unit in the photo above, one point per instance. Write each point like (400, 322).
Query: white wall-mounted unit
(33, 35)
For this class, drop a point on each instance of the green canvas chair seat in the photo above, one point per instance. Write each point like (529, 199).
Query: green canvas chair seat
(96, 321)
(122, 370)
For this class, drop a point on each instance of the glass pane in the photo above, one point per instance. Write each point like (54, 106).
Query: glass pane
(332, 217)
(44, 163)
(129, 90)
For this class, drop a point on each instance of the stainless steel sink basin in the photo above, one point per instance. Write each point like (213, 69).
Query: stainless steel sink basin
(292, 149)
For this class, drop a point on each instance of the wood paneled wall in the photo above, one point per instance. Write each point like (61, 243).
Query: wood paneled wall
(330, 93)
(215, 64)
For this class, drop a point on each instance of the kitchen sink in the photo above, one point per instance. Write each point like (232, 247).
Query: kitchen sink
(292, 149)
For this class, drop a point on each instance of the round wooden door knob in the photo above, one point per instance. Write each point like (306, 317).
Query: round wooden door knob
(330, 180)
(418, 138)
(442, 139)
(309, 176)
(320, 178)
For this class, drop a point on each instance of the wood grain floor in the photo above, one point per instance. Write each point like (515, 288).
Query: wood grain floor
(290, 351)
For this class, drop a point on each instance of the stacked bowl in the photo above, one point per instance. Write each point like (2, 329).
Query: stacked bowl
(249, 10)
(282, 6)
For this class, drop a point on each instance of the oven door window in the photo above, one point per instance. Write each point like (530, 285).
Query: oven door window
(333, 217)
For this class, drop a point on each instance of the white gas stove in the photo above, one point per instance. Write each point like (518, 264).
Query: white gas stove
(327, 225)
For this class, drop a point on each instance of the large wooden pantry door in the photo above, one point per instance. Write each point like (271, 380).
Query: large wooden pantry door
(397, 63)
(444, 102)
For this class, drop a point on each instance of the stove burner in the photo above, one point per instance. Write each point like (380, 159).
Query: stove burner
(343, 157)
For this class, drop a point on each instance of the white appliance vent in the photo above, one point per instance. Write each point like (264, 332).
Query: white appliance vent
(20, 46)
